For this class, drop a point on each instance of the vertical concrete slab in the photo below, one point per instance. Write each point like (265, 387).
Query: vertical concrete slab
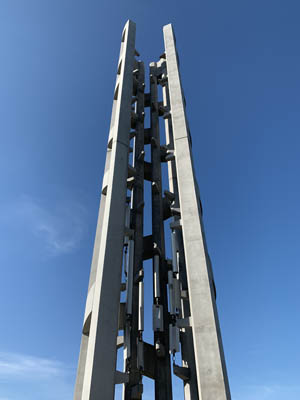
(96, 371)
(210, 364)
(95, 260)
(186, 337)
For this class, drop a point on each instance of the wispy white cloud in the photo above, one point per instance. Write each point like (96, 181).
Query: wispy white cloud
(59, 227)
(29, 367)
(34, 378)
(268, 391)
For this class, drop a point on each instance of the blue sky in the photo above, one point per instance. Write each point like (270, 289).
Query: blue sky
(240, 69)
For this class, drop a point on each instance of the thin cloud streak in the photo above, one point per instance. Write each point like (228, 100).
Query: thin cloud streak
(268, 391)
(34, 378)
(59, 228)
(29, 367)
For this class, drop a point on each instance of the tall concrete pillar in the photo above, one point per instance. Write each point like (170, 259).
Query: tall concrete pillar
(184, 315)
(208, 350)
(97, 364)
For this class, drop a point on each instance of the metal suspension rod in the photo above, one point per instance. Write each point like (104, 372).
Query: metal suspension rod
(133, 389)
(163, 384)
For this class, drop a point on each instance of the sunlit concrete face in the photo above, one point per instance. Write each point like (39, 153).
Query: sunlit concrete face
(184, 315)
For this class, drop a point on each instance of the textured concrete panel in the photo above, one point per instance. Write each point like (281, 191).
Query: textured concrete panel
(210, 364)
(98, 380)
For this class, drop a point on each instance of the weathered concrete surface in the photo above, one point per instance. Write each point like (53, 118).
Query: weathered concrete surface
(209, 357)
(96, 371)
(186, 336)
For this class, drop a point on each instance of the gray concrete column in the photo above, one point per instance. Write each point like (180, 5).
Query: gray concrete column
(210, 364)
(97, 378)
(187, 345)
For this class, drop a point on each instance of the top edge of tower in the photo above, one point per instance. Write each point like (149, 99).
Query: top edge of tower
(129, 22)
(168, 26)
(129, 26)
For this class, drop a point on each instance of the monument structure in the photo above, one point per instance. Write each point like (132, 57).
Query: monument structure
(184, 314)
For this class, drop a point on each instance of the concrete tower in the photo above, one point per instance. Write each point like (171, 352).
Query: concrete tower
(184, 314)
